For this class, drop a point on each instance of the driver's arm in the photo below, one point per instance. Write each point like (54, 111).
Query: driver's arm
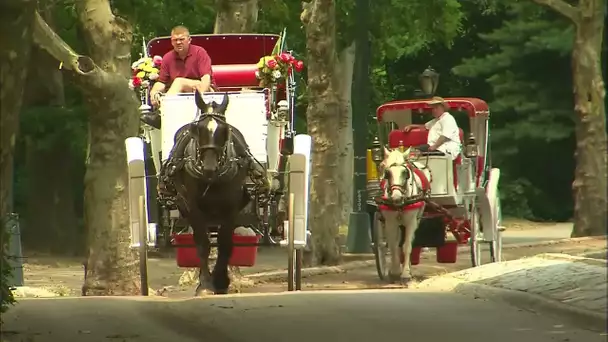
(163, 79)
(205, 70)
(449, 128)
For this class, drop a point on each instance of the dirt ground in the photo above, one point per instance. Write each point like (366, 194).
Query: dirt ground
(64, 276)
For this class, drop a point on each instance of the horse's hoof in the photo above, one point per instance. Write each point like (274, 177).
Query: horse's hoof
(202, 291)
(405, 281)
(392, 278)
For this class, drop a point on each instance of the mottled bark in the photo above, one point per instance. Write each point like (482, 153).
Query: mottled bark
(15, 45)
(591, 174)
(112, 267)
(324, 119)
(345, 68)
(236, 16)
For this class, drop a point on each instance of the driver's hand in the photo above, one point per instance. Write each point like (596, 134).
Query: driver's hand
(155, 99)
(408, 128)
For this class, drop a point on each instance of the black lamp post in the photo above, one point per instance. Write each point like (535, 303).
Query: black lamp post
(429, 79)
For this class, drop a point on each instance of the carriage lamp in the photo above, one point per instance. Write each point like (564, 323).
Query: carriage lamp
(377, 153)
(429, 79)
(471, 147)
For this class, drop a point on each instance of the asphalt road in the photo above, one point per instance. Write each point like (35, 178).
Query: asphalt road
(352, 316)
(541, 234)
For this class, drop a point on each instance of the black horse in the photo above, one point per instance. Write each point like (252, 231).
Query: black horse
(205, 177)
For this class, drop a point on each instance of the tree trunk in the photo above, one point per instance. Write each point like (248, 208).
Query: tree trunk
(236, 16)
(591, 175)
(324, 120)
(15, 44)
(112, 267)
(345, 68)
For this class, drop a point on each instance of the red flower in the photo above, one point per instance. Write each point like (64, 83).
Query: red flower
(299, 65)
(286, 57)
(136, 82)
(272, 64)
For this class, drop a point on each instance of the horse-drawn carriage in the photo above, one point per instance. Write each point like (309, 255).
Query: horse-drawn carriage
(261, 114)
(461, 205)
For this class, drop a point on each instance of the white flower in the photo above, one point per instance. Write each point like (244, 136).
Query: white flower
(145, 83)
(276, 74)
(257, 74)
(131, 85)
(153, 76)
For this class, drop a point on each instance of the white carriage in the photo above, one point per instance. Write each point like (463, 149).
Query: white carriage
(265, 117)
(463, 206)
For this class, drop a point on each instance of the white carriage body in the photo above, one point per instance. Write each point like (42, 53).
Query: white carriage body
(247, 111)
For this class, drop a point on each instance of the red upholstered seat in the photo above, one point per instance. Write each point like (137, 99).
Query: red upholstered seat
(419, 136)
(235, 75)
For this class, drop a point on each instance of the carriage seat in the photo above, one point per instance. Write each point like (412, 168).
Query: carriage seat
(234, 77)
(419, 136)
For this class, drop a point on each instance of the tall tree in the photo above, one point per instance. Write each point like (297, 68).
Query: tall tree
(591, 174)
(48, 135)
(236, 16)
(15, 46)
(323, 120)
(111, 265)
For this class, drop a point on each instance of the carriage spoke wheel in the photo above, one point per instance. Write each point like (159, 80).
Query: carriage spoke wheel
(380, 247)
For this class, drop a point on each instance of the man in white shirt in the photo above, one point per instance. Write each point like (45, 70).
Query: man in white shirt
(443, 135)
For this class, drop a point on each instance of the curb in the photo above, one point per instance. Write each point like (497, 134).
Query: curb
(281, 275)
(554, 242)
(574, 258)
(587, 319)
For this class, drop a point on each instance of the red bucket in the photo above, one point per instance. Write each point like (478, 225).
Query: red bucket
(241, 255)
(415, 255)
(447, 254)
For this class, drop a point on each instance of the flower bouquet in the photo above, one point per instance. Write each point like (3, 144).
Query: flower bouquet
(273, 69)
(146, 69)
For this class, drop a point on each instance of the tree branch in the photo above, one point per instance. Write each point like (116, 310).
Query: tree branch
(47, 39)
(562, 7)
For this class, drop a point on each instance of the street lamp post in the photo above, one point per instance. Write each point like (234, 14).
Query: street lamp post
(358, 239)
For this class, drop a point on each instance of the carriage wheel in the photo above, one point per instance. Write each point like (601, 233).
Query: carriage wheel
(380, 247)
(476, 240)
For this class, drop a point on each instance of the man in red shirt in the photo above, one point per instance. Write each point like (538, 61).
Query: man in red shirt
(184, 69)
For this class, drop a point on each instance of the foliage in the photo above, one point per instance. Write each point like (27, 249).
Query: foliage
(529, 74)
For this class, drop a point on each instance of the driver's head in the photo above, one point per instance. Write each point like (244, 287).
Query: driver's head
(180, 39)
(438, 106)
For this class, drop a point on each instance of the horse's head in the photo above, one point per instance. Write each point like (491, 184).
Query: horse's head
(211, 133)
(397, 174)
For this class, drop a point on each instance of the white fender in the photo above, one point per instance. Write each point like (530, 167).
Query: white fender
(299, 184)
(488, 205)
(137, 188)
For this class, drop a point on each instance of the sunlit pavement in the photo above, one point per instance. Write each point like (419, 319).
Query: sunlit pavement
(399, 315)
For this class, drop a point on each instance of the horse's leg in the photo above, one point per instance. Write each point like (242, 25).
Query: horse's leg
(203, 247)
(410, 222)
(221, 280)
(392, 233)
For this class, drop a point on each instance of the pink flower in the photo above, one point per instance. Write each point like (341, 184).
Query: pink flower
(272, 64)
(157, 60)
(286, 57)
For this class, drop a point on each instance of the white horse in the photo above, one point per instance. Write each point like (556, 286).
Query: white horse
(404, 184)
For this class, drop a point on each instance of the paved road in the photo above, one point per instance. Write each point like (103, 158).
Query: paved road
(352, 316)
(540, 234)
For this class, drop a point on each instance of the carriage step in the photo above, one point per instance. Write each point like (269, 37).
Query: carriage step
(502, 228)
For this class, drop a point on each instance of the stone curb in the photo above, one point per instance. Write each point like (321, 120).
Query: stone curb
(281, 275)
(528, 301)
(574, 258)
